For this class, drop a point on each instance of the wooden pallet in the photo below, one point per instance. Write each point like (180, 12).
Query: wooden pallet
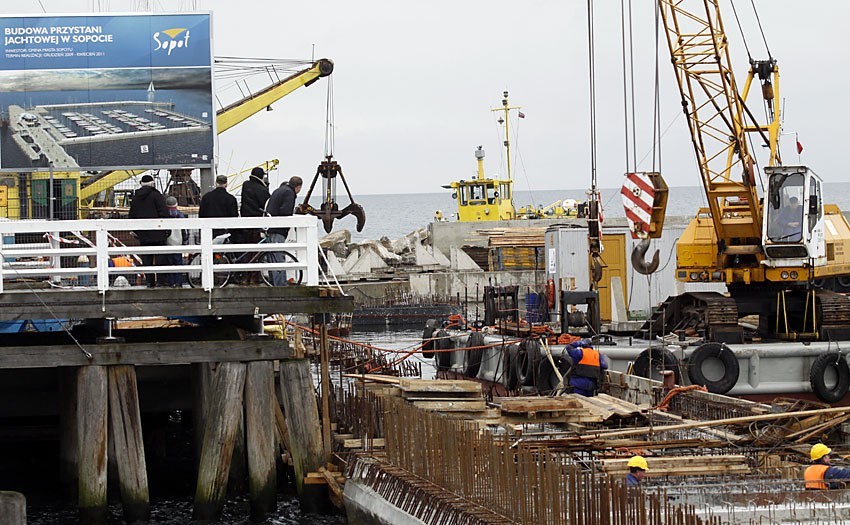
(444, 395)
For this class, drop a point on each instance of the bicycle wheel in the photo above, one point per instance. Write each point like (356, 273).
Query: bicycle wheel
(292, 276)
(220, 279)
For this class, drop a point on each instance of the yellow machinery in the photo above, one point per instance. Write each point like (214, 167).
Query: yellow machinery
(483, 198)
(783, 256)
(83, 188)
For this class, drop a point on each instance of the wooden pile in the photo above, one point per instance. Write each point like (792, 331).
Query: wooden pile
(514, 237)
(682, 466)
(464, 398)
(562, 409)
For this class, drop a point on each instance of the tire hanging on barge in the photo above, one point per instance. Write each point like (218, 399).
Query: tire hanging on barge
(714, 355)
(526, 362)
(474, 352)
(656, 358)
(546, 380)
(830, 377)
(428, 344)
(509, 372)
(443, 342)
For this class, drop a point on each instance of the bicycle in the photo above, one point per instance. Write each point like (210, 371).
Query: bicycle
(221, 279)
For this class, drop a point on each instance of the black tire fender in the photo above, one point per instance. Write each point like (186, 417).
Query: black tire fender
(526, 363)
(428, 345)
(443, 342)
(830, 393)
(472, 359)
(657, 357)
(509, 373)
(546, 380)
(721, 353)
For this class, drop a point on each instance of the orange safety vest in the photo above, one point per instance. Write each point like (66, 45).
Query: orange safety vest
(814, 477)
(589, 365)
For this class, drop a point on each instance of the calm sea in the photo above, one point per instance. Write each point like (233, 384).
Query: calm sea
(394, 216)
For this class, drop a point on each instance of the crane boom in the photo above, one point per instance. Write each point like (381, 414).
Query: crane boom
(716, 118)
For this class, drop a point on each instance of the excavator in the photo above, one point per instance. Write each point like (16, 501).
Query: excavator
(87, 188)
(784, 255)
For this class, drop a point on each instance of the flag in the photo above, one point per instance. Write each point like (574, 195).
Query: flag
(521, 114)
(799, 148)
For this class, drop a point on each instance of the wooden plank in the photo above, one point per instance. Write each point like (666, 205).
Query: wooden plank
(302, 418)
(222, 418)
(538, 404)
(452, 406)
(439, 385)
(359, 443)
(92, 395)
(334, 489)
(260, 400)
(375, 377)
(155, 353)
(126, 438)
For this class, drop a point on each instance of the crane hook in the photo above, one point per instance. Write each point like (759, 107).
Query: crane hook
(638, 255)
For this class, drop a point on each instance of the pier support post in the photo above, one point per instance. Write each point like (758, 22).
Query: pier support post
(126, 435)
(13, 508)
(259, 415)
(221, 422)
(201, 384)
(302, 418)
(91, 440)
(68, 430)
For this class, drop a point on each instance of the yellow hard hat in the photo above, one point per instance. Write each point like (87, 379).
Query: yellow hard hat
(639, 462)
(820, 450)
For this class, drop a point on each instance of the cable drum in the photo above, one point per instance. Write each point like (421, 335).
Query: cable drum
(428, 333)
(830, 377)
(714, 366)
(472, 357)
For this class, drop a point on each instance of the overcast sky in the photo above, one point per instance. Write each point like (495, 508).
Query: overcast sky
(414, 83)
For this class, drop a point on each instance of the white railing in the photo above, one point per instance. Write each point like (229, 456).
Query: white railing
(97, 242)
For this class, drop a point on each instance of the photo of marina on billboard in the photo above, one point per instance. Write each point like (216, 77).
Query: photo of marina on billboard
(106, 92)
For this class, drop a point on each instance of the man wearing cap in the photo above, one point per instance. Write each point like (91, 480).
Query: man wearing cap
(218, 203)
(282, 204)
(821, 475)
(255, 193)
(148, 203)
(177, 237)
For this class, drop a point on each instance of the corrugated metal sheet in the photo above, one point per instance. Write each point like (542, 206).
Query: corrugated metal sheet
(569, 246)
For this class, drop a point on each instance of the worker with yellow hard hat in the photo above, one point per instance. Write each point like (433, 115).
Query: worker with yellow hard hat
(821, 475)
(637, 470)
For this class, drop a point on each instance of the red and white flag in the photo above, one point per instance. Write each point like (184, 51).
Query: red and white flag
(520, 114)
(799, 148)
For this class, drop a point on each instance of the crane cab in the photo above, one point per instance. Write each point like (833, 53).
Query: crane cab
(793, 230)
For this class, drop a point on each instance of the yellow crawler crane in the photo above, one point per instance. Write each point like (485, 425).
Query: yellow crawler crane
(783, 257)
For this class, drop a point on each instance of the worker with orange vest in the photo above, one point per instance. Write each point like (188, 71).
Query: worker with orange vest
(822, 475)
(588, 366)
(637, 470)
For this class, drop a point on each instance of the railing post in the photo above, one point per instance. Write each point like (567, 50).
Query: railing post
(206, 258)
(101, 245)
(311, 258)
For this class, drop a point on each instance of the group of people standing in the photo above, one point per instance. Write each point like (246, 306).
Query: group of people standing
(149, 203)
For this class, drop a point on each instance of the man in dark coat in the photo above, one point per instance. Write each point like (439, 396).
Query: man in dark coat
(255, 193)
(149, 203)
(282, 204)
(218, 203)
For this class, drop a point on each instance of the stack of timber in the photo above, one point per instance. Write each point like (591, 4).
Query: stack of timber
(459, 398)
(515, 248)
(683, 466)
(566, 409)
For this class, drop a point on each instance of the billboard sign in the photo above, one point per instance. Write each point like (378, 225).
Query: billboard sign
(98, 92)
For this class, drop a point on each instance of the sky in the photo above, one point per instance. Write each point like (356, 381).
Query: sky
(414, 83)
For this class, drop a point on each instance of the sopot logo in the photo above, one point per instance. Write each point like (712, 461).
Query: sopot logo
(171, 39)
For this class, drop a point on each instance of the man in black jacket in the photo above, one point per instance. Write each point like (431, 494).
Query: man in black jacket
(149, 203)
(255, 193)
(218, 203)
(282, 204)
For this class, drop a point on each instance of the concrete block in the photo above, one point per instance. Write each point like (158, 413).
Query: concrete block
(462, 262)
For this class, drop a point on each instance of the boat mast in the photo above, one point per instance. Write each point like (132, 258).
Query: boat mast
(504, 120)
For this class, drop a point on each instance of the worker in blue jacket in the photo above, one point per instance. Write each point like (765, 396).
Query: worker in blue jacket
(588, 367)
(822, 475)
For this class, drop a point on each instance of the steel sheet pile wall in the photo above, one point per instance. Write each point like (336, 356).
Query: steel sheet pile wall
(500, 481)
